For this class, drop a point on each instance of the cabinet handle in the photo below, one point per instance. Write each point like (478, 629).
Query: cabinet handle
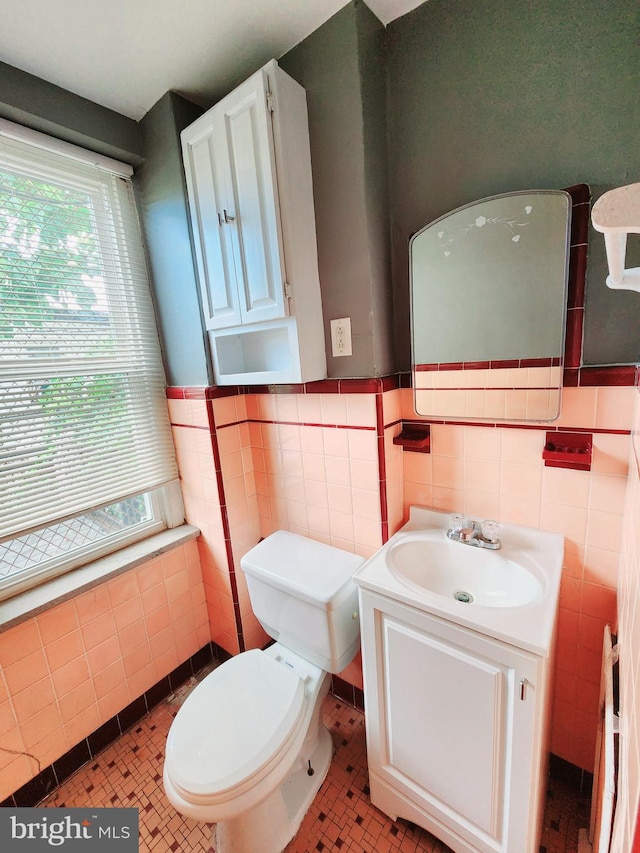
(220, 220)
(228, 218)
(523, 688)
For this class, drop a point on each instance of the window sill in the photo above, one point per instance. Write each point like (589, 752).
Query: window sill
(30, 603)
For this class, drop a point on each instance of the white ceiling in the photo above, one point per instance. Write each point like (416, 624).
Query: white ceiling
(125, 54)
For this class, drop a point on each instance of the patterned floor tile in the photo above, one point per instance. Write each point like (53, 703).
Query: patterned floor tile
(341, 818)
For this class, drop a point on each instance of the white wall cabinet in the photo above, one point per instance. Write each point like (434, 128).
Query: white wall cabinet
(455, 726)
(248, 170)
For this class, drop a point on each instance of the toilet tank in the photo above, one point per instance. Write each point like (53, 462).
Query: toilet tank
(303, 595)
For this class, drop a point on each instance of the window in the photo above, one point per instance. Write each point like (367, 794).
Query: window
(85, 442)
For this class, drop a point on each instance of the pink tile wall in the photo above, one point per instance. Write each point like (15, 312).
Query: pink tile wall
(392, 402)
(324, 465)
(317, 472)
(629, 647)
(316, 464)
(67, 671)
(241, 502)
(498, 472)
(503, 392)
(308, 463)
(190, 423)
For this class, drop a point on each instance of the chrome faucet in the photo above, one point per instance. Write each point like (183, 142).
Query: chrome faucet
(470, 532)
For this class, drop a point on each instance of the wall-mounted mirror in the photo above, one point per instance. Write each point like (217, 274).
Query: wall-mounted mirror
(488, 308)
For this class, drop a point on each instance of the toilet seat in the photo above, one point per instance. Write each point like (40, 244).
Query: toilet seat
(234, 727)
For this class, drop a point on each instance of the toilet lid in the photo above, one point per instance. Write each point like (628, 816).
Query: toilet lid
(234, 724)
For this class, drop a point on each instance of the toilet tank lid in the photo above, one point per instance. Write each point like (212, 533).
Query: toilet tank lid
(311, 570)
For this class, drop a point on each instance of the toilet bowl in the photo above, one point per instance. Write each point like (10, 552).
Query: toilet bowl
(248, 750)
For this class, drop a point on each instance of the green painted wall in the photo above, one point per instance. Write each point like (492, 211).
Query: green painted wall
(492, 96)
(453, 102)
(42, 106)
(341, 68)
(373, 72)
(163, 203)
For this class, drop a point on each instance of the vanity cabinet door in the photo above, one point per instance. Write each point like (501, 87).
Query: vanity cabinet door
(233, 195)
(451, 728)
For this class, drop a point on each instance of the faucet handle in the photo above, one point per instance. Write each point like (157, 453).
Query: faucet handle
(456, 521)
(490, 530)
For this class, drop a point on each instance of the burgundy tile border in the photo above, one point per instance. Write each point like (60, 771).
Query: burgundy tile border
(493, 388)
(571, 377)
(226, 527)
(512, 425)
(594, 430)
(215, 392)
(476, 365)
(287, 388)
(359, 386)
(614, 375)
(202, 392)
(581, 203)
(391, 383)
(382, 470)
(620, 375)
(188, 426)
(573, 339)
(576, 284)
(580, 193)
(403, 420)
(580, 221)
(362, 385)
(609, 376)
(489, 365)
(293, 423)
(179, 392)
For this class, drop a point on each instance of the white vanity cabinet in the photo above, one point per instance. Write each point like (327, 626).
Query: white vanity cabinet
(455, 728)
(248, 170)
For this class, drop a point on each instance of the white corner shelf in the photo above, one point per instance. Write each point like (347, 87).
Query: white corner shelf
(617, 214)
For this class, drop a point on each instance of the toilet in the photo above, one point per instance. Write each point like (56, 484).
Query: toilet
(247, 750)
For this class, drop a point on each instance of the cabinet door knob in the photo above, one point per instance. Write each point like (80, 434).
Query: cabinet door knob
(523, 688)
(228, 218)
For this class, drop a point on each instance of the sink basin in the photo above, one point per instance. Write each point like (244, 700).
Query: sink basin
(510, 594)
(462, 573)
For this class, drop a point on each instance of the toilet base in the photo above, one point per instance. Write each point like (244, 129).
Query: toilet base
(270, 826)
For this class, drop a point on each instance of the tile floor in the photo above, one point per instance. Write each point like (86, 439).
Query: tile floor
(129, 773)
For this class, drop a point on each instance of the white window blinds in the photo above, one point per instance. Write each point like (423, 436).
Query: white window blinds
(83, 417)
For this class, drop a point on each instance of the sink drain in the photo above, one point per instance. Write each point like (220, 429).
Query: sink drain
(464, 597)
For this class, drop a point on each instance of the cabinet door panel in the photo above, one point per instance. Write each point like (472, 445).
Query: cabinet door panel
(255, 224)
(456, 701)
(454, 728)
(214, 253)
